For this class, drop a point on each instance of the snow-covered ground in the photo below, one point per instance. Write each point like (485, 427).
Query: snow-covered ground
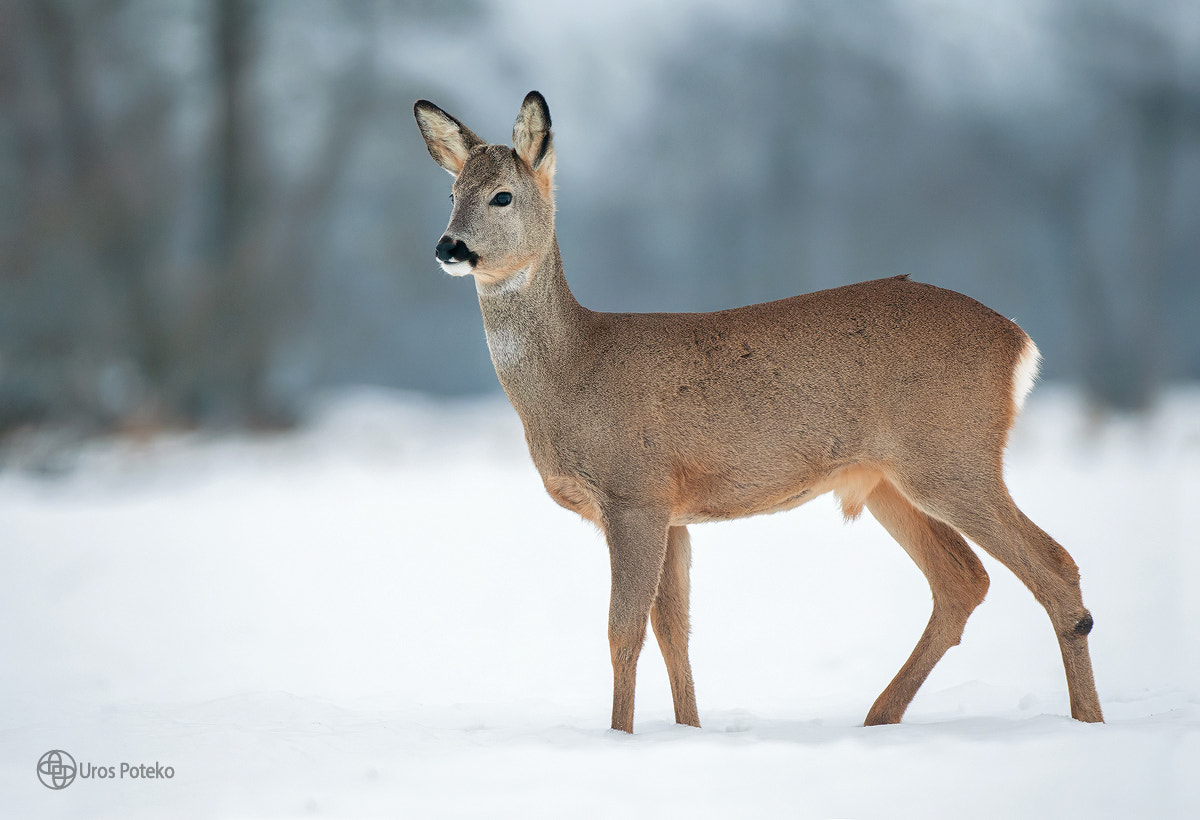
(384, 616)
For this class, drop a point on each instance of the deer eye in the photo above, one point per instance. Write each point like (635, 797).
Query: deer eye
(503, 198)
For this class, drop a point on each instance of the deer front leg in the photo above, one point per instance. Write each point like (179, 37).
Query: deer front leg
(637, 544)
(671, 622)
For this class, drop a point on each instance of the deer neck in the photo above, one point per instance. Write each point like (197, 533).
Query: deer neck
(534, 326)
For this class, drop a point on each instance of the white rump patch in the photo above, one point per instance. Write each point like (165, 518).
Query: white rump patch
(1025, 373)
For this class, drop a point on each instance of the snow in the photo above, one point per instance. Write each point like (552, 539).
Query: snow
(383, 615)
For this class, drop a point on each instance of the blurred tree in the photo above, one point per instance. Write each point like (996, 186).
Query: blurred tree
(156, 247)
(210, 207)
(86, 218)
(1146, 103)
(259, 260)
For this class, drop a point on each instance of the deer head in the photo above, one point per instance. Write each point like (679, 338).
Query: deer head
(502, 222)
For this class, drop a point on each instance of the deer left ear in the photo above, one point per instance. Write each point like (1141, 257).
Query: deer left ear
(533, 140)
(450, 142)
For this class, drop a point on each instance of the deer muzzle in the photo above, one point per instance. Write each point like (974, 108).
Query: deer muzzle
(453, 250)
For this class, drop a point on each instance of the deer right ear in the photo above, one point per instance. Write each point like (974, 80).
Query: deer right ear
(449, 141)
(534, 143)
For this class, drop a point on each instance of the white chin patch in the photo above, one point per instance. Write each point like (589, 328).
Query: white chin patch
(456, 268)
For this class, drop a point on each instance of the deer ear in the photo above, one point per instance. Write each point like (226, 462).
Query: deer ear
(533, 140)
(449, 141)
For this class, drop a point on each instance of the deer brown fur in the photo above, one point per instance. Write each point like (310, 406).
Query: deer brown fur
(896, 396)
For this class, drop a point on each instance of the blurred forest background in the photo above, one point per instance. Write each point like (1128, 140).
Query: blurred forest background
(212, 209)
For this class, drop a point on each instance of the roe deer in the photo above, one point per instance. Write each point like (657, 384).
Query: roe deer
(897, 396)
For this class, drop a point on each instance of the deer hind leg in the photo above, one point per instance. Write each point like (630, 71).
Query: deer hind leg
(669, 616)
(637, 545)
(956, 578)
(991, 519)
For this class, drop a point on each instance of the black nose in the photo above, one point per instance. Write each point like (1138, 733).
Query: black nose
(452, 250)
